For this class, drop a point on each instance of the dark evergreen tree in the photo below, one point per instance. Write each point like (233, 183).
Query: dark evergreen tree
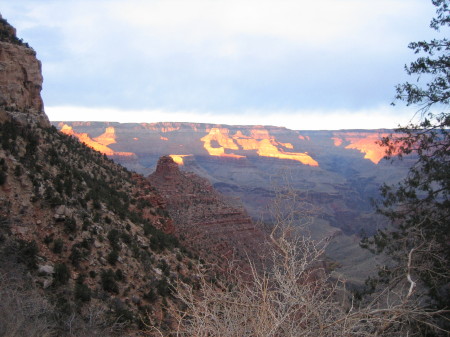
(419, 206)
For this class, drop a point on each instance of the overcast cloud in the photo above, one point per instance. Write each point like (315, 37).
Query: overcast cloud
(302, 64)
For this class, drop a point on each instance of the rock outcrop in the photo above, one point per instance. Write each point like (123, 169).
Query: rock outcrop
(20, 79)
(204, 218)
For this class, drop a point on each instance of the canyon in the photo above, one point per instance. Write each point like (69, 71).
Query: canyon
(88, 246)
(336, 172)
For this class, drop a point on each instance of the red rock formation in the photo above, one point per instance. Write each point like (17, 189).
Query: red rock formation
(203, 217)
(260, 140)
(179, 158)
(100, 143)
(365, 142)
(20, 79)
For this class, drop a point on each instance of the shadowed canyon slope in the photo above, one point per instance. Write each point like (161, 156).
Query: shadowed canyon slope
(203, 218)
(338, 172)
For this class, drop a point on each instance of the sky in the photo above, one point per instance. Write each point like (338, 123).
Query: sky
(302, 64)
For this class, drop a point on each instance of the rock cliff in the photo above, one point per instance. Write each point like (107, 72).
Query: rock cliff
(20, 79)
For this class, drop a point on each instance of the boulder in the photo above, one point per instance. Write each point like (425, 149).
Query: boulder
(46, 269)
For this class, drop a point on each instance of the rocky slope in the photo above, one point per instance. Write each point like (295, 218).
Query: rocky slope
(204, 219)
(85, 245)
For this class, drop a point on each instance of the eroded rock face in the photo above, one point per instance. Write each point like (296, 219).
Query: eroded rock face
(166, 170)
(20, 79)
(204, 218)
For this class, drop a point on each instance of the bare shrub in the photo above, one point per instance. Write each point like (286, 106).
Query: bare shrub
(23, 311)
(95, 321)
(295, 295)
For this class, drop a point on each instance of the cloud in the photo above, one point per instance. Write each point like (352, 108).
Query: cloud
(381, 117)
(223, 56)
(168, 26)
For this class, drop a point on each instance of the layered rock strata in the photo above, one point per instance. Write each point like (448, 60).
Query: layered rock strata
(204, 218)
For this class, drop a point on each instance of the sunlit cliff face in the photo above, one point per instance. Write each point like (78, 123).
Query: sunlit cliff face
(221, 136)
(99, 143)
(364, 142)
(259, 140)
(108, 137)
(162, 127)
(178, 158)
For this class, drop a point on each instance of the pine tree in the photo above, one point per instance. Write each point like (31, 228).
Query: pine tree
(419, 206)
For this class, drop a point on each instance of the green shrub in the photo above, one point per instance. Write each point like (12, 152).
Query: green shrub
(61, 275)
(48, 239)
(75, 256)
(58, 245)
(113, 257)
(82, 292)
(123, 315)
(109, 282)
(163, 287)
(119, 275)
(27, 253)
(3, 176)
(18, 171)
(151, 295)
(164, 266)
(3, 171)
(179, 257)
(86, 224)
(113, 237)
(126, 238)
(70, 225)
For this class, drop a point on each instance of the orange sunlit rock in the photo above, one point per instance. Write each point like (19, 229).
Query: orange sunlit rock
(248, 144)
(259, 140)
(163, 138)
(123, 154)
(303, 137)
(240, 135)
(135, 138)
(84, 138)
(178, 158)
(337, 141)
(364, 142)
(108, 137)
(162, 127)
(68, 130)
(94, 143)
(260, 134)
(287, 145)
(169, 129)
(221, 136)
(372, 151)
(267, 149)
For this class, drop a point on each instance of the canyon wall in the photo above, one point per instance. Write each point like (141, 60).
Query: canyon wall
(20, 79)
